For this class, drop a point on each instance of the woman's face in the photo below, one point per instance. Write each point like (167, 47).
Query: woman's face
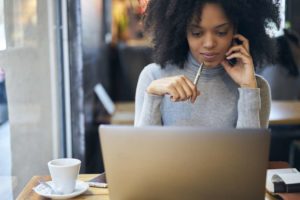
(210, 38)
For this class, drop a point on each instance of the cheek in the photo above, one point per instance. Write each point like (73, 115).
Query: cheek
(194, 44)
(226, 45)
(226, 42)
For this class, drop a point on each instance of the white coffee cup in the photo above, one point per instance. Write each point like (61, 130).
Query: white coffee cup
(64, 172)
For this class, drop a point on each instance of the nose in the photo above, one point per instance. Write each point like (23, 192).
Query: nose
(209, 41)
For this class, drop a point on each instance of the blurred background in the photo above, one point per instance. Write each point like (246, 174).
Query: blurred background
(54, 52)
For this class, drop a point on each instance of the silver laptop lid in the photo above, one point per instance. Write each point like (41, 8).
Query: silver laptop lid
(184, 163)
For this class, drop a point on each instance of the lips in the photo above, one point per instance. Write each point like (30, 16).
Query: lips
(209, 56)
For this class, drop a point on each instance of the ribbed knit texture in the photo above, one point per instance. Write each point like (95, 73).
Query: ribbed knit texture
(222, 103)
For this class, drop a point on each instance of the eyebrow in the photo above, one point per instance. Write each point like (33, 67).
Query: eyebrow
(216, 27)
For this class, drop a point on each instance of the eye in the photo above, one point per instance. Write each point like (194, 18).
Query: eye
(221, 33)
(196, 33)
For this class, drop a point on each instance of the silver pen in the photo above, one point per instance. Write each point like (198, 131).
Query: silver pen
(198, 74)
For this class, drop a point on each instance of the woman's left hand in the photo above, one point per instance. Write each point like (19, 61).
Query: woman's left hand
(243, 71)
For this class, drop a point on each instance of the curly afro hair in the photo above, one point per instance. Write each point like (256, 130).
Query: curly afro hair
(167, 21)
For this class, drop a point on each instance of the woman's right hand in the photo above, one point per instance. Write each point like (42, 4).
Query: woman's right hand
(179, 88)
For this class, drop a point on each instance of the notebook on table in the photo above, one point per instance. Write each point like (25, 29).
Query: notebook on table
(284, 183)
(184, 163)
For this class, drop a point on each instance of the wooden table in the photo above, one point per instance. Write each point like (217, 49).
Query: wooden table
(99, 193)
(92, 193)
(124, 114)
(285, 113)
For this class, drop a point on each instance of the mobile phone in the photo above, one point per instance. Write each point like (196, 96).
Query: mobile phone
(233, 61)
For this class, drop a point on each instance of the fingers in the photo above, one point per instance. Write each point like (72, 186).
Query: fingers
(245, 59)
(227, 66)
(179, 88)
(195, 91)
(182, 93)
(240, 52)
(238, 48)
(174, 94)
(245, 41)
(176, 89)
(182, 89)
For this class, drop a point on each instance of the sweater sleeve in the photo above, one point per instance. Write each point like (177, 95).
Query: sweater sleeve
(147, 106)
(266, 99)
(254, 106)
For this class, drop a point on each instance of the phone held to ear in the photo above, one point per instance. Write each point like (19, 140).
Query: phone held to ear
(233, 61)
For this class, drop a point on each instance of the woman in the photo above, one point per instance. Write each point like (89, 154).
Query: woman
(226, 37)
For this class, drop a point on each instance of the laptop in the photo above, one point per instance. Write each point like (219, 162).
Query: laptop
(162, 163)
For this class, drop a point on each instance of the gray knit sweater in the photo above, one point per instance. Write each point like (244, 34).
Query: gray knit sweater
(221, 102)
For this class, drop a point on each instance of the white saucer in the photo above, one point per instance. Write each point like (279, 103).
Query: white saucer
(80, 188)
